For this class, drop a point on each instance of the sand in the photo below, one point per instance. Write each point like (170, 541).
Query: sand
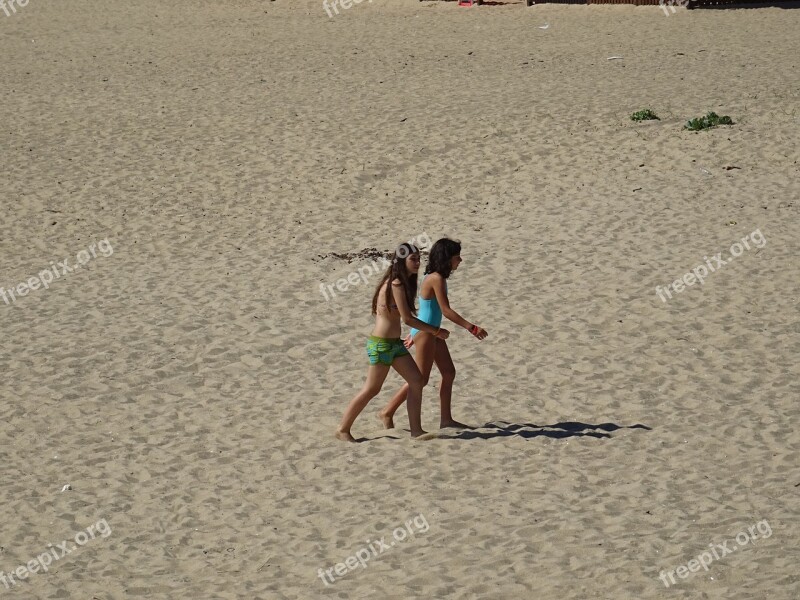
(187, 386)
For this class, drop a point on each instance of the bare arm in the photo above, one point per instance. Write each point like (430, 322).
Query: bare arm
(441, 297)
(408, 318)
(440, 290)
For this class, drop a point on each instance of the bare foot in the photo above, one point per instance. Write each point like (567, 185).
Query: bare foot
(415, 434)
(388, 422)
(454, 424)
(345, 436)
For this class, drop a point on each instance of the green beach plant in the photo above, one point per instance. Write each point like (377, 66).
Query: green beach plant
(712, 119)
(644, 115)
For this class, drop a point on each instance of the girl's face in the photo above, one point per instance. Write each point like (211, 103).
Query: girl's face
(454, 262)
(412, 263)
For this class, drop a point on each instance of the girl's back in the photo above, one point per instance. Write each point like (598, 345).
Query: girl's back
(429, 309)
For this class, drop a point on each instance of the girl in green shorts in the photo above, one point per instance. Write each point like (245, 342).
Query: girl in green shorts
(444, 258)
(393, 301)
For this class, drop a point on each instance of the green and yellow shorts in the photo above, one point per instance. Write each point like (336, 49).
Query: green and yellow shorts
(383, 351)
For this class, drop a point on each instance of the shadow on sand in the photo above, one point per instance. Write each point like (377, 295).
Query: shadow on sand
(531, 430)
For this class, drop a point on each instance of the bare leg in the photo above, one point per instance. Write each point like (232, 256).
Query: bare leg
(445, 365)
(386, 417)
(408, 370)
(426, 347)
(375, 378)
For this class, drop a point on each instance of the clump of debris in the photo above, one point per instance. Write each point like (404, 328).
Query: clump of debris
(365, 254)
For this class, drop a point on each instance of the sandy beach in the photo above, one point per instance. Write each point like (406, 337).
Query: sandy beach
(180, 182)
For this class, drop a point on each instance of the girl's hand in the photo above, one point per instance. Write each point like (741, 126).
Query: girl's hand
(443, 334)
(478, 332)
(408, 341)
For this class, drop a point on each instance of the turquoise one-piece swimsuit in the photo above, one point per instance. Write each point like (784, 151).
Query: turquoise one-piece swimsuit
(429, 312)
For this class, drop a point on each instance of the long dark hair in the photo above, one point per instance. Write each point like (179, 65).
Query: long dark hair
(439, 258)
(397, 270)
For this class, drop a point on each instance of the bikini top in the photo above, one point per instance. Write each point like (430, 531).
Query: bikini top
(384, 305)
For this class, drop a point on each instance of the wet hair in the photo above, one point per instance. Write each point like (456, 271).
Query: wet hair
(440, 255)
(397, 270)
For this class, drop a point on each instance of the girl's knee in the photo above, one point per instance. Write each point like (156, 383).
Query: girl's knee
(372, 391)
(449, 374)
(416, 384)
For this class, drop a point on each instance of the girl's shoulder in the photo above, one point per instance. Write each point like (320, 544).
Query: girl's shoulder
(435, 276)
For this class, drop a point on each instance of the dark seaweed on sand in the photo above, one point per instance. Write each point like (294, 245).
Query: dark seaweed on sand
(365, 254)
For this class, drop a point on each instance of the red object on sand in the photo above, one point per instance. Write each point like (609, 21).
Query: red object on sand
(468, 2)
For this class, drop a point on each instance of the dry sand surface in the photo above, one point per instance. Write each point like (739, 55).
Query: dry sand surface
(187, 385)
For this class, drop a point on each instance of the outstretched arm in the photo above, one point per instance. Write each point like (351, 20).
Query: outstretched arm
(440, 290)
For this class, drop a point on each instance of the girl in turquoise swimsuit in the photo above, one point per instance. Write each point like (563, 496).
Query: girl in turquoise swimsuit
(393, 301)
(444, 258)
